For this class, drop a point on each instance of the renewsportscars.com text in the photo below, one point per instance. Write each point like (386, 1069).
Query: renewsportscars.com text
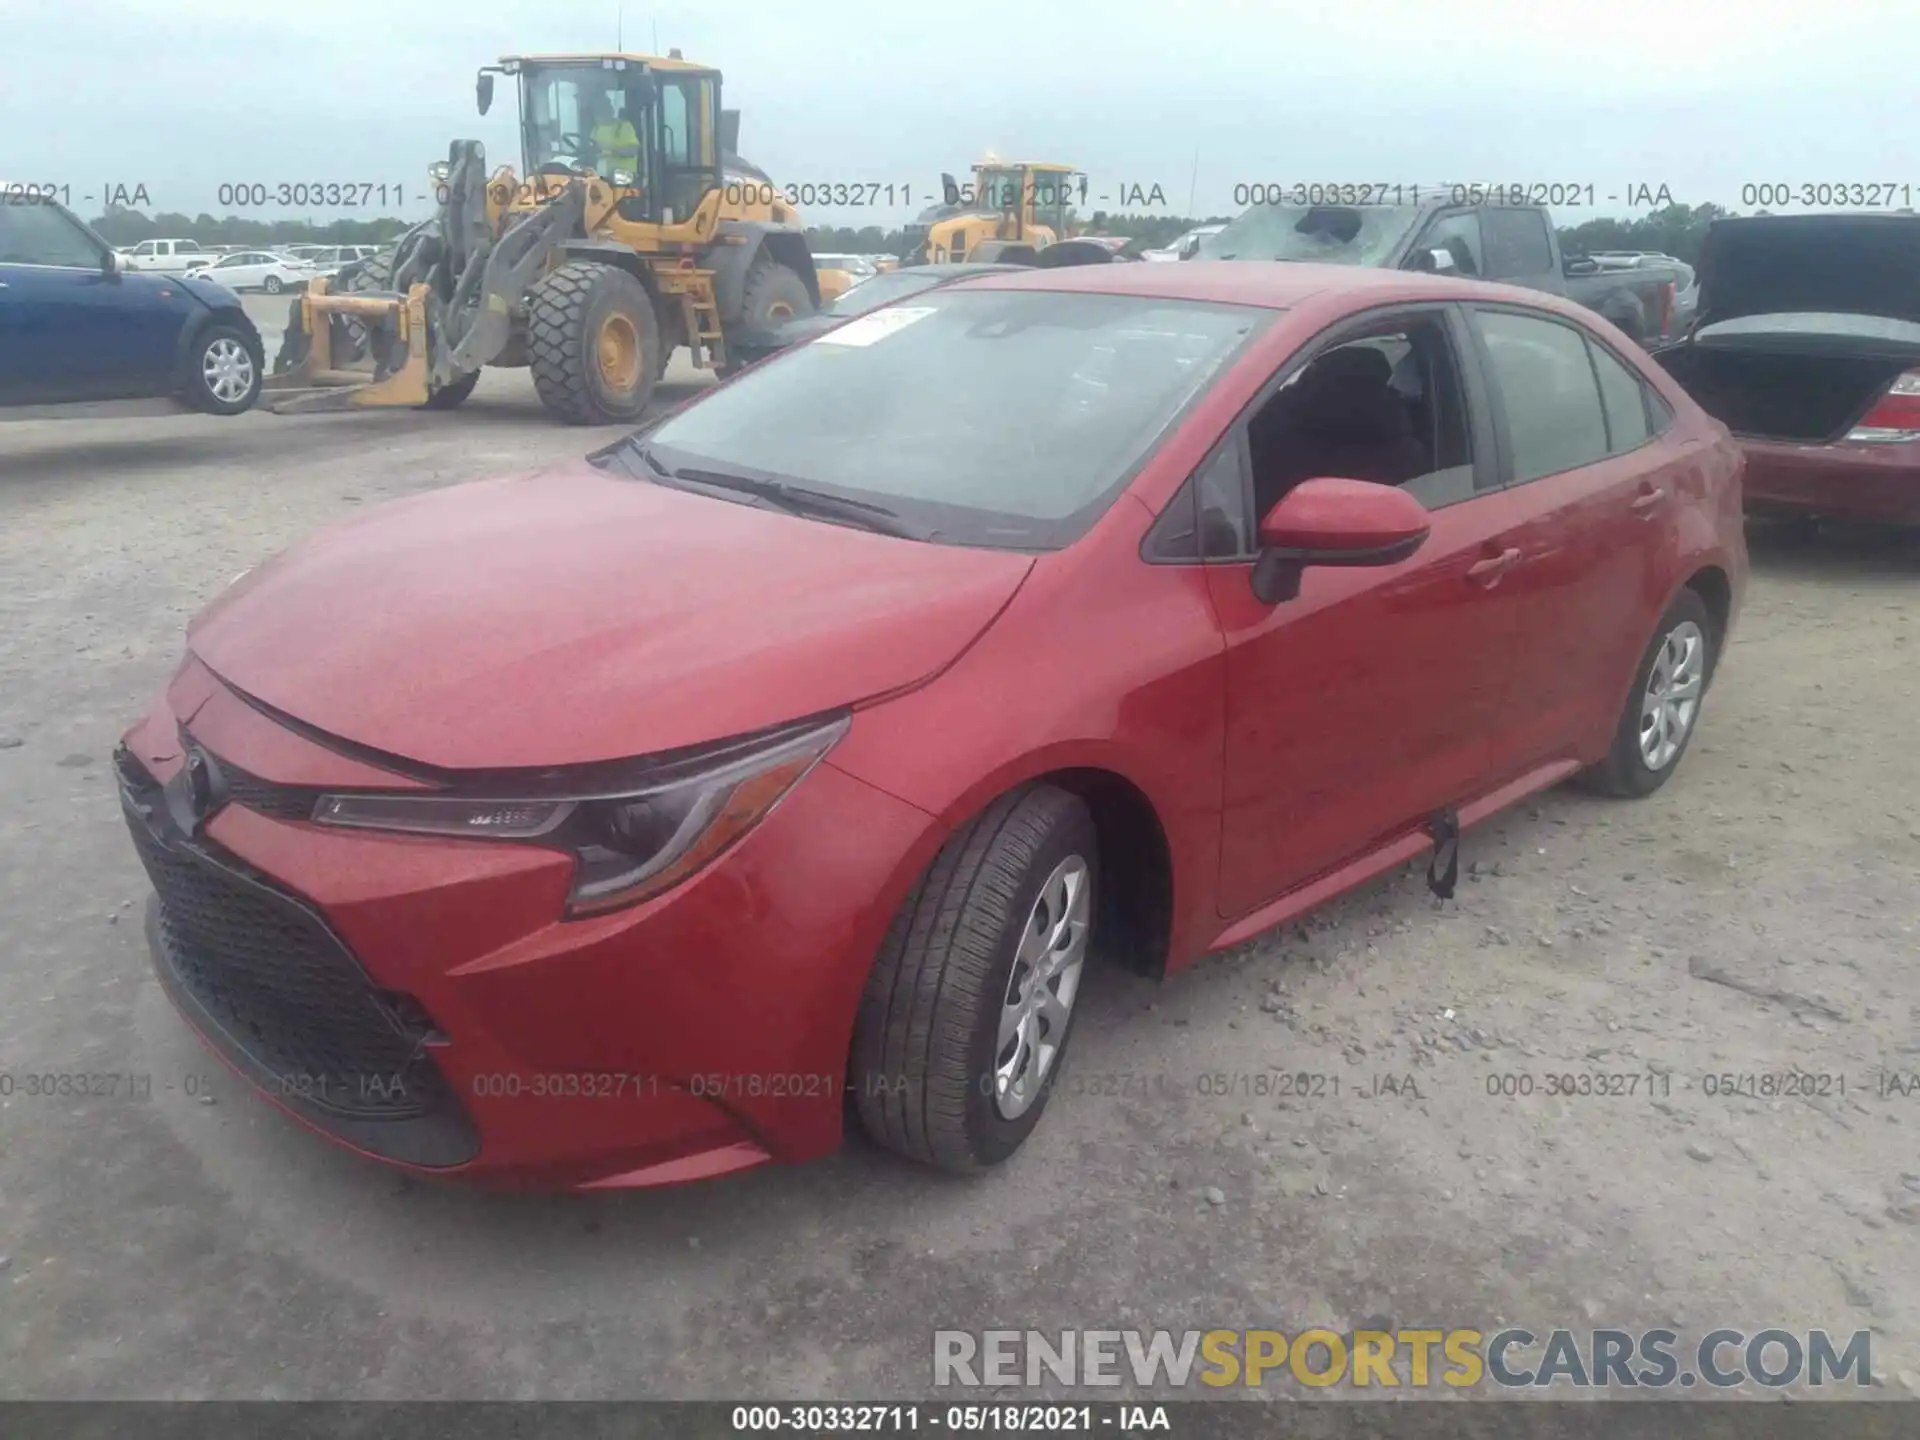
(1511, 1358)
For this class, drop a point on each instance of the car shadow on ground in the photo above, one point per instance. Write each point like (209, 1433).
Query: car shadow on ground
(1832, 550)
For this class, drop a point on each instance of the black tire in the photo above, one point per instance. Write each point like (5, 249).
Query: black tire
(273, 285)
(772, 293)
(194, 383)
(349, 336)
(1003, 252)
(1625, 772)
(450, 397)
(564, 313)
(926, 1033)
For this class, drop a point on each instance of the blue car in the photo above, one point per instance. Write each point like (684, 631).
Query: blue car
(78, 329)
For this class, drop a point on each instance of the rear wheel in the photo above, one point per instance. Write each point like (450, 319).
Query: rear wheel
(1663, 708)
(348, 335)
(593, 342)
(965, 1018)
(772, 294)
(273, 284)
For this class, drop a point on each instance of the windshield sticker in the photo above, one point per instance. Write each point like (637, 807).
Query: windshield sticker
(876, 326)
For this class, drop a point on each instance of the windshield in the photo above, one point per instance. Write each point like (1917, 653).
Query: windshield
(1322, 234)
(1052, 197)
(878, 290)
(584, 119)
(998, 418)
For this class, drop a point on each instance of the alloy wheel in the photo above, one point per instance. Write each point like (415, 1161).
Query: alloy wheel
(1042, 988)
(1672, 697)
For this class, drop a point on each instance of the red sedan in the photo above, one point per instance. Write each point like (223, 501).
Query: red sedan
(1807, 344)
(637, 820)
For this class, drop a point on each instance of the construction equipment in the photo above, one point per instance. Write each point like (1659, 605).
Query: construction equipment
(1010, 212)
(633, 229)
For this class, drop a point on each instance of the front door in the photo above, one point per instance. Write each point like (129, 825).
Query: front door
(1365, 705)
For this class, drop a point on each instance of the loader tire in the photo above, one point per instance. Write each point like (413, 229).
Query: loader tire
(349, 335)
(593, 343)
(450, 397)
(772, 294)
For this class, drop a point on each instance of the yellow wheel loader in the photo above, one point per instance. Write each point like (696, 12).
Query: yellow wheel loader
(632, 229)
(1010, 212)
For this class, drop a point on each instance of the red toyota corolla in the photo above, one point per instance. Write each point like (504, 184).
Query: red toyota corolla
(635, 821)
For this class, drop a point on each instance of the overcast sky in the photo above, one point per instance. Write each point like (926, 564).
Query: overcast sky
(1702, 96)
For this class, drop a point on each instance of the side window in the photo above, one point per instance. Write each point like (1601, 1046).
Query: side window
(1547, 393)
(42, 235)
(1659, 413)
(1386, 405)
(145, 247)
(1516, 243)
(674, 111)
(1622, 395)
(1459, 234)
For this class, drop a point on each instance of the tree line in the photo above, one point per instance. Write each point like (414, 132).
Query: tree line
(1675, 230)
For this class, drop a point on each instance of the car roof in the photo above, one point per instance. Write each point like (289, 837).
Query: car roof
(956, 269)
(1269, 284)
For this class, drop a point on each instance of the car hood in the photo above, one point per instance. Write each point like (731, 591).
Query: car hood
(1796, 264)
(211, 292)
(570, 616)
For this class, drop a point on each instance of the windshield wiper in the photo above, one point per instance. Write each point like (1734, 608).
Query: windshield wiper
(798, 500)
(775, 494)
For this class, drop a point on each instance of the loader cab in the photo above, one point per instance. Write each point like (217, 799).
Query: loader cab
(649, 127)
(1027, 197)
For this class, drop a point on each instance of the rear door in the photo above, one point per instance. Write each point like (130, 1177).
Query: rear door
(1588, 484)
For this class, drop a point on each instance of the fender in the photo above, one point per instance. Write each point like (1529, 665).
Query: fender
(609, 252)
(738, 244)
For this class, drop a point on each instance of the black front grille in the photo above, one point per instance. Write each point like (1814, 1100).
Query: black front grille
(281, 802)
(271, 985)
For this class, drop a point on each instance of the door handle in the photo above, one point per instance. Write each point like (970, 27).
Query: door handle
(1488, 572)
(1649, 500)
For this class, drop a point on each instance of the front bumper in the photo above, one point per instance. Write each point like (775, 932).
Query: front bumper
(1846, 482)
(420, 1000)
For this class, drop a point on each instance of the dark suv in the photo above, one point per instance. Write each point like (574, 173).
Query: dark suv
(77, 329)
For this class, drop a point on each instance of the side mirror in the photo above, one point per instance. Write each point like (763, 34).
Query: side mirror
(114, 264)
(1438, 260)
(949, 189)
(1330, 521)
(483, 91)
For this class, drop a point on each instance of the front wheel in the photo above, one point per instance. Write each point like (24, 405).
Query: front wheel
(593, 343)
(223, 371)
(966, 1015)
(1663, 708)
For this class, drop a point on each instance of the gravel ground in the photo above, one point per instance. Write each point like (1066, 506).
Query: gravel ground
(1757, 915)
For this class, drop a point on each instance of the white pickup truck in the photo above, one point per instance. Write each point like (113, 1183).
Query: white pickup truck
(167, 257)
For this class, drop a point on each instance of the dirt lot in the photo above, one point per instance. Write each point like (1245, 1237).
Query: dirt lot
(1757, 915)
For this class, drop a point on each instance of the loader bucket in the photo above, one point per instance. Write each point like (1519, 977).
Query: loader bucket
(398, 327)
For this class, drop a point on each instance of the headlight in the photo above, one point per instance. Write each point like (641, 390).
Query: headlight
(628, 845)
(439, 170)
(623, 177)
